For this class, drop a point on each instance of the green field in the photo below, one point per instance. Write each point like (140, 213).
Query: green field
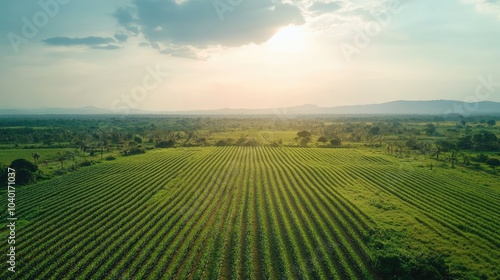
(251, 213)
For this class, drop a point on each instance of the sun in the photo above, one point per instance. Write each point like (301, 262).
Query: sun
(290, 39)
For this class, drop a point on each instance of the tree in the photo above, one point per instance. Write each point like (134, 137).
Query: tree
(443, 146)
(484, 141)
(303, 134)
(336, 142)
(453, 158)
(63, 156)
(375, 130)
(304, 137)
(221, 143)
(304, 141)
(103, 141)
(400, 146)
(466, 158)
(322, 139)
(22, 163)
(25, 171)
(465, 142)
(491, 122)
(430, 129)
(481, 158)
(3, 174)
(132, 144)
(138, 139)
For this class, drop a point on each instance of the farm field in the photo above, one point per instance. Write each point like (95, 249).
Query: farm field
(252, 213)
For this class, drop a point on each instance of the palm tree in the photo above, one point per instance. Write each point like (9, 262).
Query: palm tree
(439, 149)
(453, 158)
(61, 157)
(36, 156)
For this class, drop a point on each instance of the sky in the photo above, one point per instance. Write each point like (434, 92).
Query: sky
(175, 55)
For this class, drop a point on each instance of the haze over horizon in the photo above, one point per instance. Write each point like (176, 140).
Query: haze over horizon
(166, 55)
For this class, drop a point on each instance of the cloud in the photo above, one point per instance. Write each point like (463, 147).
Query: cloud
(100, 43)
(106, 47)
(185, 52)
(125, 18)
(486, 6)
(121, 37)
(87, 41)
(202, 24)
(325, 7)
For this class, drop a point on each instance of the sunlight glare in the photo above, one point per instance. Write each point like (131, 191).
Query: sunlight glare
(289, 39)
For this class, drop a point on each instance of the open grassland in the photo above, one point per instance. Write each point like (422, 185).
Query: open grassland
(249, 213)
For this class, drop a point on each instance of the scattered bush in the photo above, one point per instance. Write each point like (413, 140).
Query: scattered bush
(110, 158)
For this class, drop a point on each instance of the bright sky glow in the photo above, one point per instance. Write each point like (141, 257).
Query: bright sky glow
(209, 54)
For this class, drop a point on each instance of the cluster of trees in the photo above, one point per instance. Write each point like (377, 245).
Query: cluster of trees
(242, 141)
(26, 172)
(97, 134)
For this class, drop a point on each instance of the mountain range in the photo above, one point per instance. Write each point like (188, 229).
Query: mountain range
(431, 107)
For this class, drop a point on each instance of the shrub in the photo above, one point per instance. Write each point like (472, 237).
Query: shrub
(252, 143)
(110, 158)
(480, 158)
(87, 163)
(221, 143)
(165, 144)
(135, 151)
(493, 162)
(393, 260)
(24, 177)
(60, 172)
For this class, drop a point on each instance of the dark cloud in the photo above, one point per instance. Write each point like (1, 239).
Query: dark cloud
(202, 23)
(98, 43)
(121, 37)
(88, 41)
(125, 18)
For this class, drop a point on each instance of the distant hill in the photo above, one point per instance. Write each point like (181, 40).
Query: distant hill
(432, 107)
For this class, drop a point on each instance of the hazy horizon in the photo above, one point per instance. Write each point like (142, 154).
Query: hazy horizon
(236, 108)
(187, 55)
